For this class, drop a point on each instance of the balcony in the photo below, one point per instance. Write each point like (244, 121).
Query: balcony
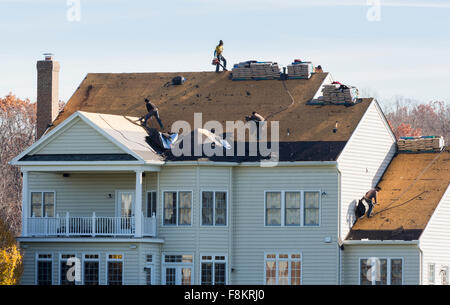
(92, 226)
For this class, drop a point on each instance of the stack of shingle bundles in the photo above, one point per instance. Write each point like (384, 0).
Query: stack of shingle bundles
(300, 70)
(423, 143)
(339, 94)
(256, 70)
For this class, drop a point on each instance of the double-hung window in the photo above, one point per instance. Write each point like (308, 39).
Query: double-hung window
(115, 269)
(43, 204)
(91, 269)
(292, 208)
(177, 269)
(66, 277)
(177, 208)
(283, 268)
(381, 271)
(44, 269)
(214, 270)
(214, 208)
(431, 274)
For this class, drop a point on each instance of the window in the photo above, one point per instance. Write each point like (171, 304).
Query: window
(283, 269)
(381, 271)
(177, 208)
(43, 204)
(64, 270)
(292, 208)
(148, 269)
(214, 208)
(431, 273)
(311, 208)
(177, 270)
(91, 266)
(273, 208)
(115, 269)
(213, 270)
(44, 269)
(151, 204)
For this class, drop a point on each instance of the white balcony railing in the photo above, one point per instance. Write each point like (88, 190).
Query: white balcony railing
(88, 226)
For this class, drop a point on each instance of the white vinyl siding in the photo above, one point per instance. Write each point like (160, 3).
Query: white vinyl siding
(352, 255)
(363, 161)
(252, 238)
(435, 241)
(78, 138)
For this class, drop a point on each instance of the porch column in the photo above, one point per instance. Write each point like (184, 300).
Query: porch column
(138, 205)
(25, 205)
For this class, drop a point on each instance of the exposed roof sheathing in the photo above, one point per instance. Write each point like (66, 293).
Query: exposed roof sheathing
(218, 98)
(412, 187)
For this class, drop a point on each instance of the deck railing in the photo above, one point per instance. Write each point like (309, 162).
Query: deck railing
(90, 226)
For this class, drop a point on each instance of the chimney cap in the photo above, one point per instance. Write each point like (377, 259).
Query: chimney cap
(48, 56)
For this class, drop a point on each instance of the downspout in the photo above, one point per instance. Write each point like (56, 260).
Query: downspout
(421, 265)
(230, 228)
(339, 229)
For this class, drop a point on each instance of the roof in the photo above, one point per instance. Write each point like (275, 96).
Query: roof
(219, 98)
(411, 189)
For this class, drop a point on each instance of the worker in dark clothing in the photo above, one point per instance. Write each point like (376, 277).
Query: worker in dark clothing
(255, 117)
(152, 111)
(371, 198)
(218, 54)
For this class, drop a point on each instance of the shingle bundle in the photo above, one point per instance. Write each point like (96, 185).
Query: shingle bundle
(423, 143)
(339, 94)
(256, 70)
(300, 70)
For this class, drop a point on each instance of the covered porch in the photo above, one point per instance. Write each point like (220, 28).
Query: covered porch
(94, 201)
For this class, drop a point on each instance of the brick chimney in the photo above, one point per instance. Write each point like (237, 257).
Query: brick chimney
(47, 93)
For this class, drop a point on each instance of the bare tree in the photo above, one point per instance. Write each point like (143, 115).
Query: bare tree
(432, 118)
(17, 132)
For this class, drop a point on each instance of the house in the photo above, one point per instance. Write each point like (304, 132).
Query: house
(95, 188)
(407, 237)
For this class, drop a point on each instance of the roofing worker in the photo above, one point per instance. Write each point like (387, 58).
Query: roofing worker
(370, 196)
(152, 111)
(218, 54)
(255, 117)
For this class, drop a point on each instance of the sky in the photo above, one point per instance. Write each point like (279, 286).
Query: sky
(386, 48)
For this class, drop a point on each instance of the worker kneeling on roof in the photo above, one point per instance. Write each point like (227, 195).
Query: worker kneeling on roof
(369, 199)
(218, 54)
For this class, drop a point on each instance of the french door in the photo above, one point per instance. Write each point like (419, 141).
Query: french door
(125, 209)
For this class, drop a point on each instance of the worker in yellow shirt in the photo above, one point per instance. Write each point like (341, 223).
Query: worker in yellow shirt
(218, 55)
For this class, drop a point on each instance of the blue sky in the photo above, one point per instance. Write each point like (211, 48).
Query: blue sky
(405, 53)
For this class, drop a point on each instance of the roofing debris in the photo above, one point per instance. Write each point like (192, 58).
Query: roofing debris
(257, 70)
(420, 144)
(300, 69)
(412, 187)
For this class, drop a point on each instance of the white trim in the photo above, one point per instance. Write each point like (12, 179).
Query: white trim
(84, 259)
(115, 260)
(388, 268)
(178, 266)
(213, 261)
(289, 260)
(283, 208)
(214, 191)
(90, 240)
(177, 207)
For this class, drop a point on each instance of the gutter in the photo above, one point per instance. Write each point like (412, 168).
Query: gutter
(381, 242)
